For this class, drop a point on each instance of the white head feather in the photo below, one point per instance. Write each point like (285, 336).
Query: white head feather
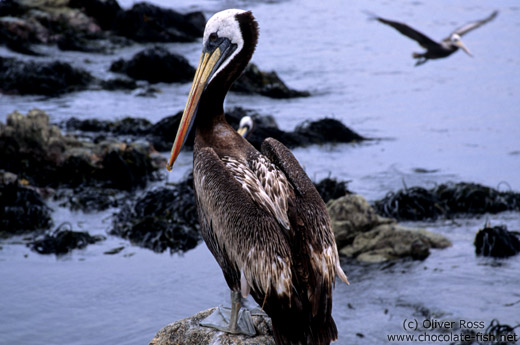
(224, 24)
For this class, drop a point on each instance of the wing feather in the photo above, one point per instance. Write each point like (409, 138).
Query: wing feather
(422, 39)
(473, 25)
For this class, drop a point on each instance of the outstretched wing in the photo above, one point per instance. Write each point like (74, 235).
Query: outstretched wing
(473, 25)
(406, 30)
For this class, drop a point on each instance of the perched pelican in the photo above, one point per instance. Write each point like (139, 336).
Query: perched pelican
(246, 126)
(437, 50)
(260, 215)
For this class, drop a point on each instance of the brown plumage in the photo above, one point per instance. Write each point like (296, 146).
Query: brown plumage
(261, 216)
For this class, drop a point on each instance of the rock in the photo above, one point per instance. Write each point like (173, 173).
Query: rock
(155, 65)
(63, 240)
(77, 42)
(362, 234)
(118, 84)
(253, 80)
(189, 332)
(104, 12)
(391, 241)
(89, 199)
(446, 200)
(331, 189)
(21, 209)
(41, 78)
(38, 152)
(163, 218)
(352, 215)
(497, 242)
(325, 131)
(145, 22)
(17, 35)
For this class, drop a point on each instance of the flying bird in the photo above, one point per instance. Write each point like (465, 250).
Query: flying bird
(437, 50)
(261, 216)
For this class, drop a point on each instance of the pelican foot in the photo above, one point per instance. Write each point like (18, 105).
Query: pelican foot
(220, 320)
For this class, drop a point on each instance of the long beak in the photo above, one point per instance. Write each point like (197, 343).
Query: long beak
(207, 65)
(463, 47)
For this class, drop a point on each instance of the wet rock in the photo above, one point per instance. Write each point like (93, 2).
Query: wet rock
(362, 234)
(331, 189)
(155, 65)
(163, 218)
(89, 199)
(325, 131)
(125, 126)
(41, 78)
(104, 12)
(63, 240)
(497, 242)
(21, 209)
(145, 22)
(269, 84)
(446, 200)
(118, 84)
(189, 332)
(77, 42)
(38, 152)
(17, 35)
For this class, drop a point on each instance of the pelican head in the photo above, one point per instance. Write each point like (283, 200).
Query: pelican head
(246, 126)
(228, 43)
(457, 42)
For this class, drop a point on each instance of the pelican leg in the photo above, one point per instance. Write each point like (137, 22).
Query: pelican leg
(236, 320)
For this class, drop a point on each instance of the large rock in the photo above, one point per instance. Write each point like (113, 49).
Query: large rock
(41, 78)
(104, 12)
(145, 22)
(362, 234)
(269, 84)
(155, 65)
(38, 152)
(189, 332)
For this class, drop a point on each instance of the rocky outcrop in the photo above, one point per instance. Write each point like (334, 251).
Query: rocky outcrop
(362, 234)
(75, 24)
(156, 65)
(41, 78)
(39, 153)
(189, 332)
(497, 242)
(145, 22)
(446, 200)
(269, 84)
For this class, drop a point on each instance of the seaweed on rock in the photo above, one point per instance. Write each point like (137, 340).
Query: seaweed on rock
(164, 218)
(446, 200)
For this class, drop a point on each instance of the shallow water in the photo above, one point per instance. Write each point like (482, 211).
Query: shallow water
(457, 117)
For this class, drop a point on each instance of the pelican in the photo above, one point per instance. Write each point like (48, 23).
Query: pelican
(437, 50)
(245, 126)
(260, 215)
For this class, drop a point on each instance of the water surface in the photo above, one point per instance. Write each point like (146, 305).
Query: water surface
(457, 118)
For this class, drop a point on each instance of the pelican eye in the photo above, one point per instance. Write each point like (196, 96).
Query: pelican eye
(213, 37)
